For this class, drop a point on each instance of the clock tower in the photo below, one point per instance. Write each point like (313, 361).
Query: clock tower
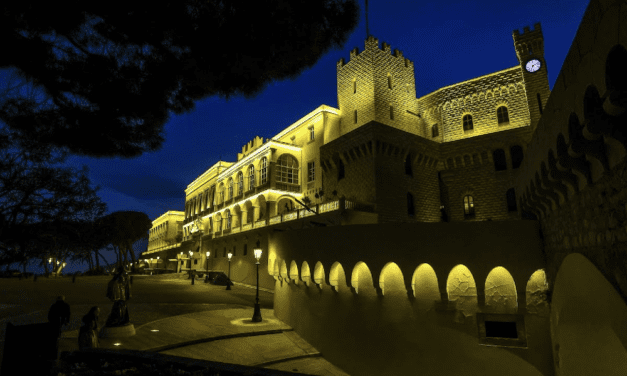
(530, 53)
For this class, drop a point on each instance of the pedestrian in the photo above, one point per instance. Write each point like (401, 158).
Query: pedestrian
(88, 333)
(59, 314)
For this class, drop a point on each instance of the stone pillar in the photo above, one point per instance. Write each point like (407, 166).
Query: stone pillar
(244, 217)
(255, 213)
(271, 209)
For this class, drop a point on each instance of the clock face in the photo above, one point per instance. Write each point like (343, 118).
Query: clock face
(533, 65)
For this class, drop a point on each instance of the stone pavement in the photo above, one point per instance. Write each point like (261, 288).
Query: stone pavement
(224, 335)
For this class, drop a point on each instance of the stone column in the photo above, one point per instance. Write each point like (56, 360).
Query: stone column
(244, 217)
(255, 213)
(271, 209)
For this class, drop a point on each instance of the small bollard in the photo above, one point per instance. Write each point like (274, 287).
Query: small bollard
(193, 276)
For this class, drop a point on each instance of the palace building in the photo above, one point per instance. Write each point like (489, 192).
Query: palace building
(479, 229)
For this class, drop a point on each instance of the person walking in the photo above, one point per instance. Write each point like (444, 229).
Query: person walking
(88, 333)
(59, 314)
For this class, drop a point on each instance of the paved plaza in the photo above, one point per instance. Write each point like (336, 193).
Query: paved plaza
(172, 317)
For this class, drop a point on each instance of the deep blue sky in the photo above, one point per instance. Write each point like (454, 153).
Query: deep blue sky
(449, 41)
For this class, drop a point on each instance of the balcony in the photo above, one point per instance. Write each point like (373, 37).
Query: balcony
(297, 214)
(288, 187)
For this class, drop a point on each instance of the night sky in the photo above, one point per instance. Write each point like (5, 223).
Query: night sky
(449, 41)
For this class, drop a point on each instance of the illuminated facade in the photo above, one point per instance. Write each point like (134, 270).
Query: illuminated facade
(488, 206)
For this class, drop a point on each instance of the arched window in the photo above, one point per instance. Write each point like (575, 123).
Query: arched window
(501, 114)
(391, 113)
(499, 160)
(251, 177)
(434, 131)
(517, 155)
(240, 183)
(221, 193)
(230, 188)
(469, 207)
(408, 170)
(389, 81)
(354, 86)
(287, 169)
(511, 200)
(355, 116)
(264, 170)
(467, 120)
(410, 204)
(228, 219)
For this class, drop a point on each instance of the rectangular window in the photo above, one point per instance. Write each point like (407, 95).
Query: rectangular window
(311, 133)
(355, 116)
(245, 249)
(195, 261)
(312, 171)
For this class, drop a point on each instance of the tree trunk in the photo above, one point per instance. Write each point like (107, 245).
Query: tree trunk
(97, 259)
(133, 258)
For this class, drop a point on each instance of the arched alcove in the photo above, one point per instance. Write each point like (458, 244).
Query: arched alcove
(536, 293)
(361, 277)
(294, 271)
(337, 277)
(587, 321)
(319, 273)
(305, 274)
(425, 285)
(283, 270)
(391, 279)
(500, 291)
(461, 288)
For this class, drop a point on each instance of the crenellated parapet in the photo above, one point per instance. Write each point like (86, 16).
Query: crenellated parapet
(529, 41)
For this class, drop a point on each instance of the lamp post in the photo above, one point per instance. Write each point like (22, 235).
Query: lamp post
(207, 262)
(228, 283)
(157, 260)
(257, 314)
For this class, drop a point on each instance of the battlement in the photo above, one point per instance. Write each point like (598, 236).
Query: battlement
(371, 44)
(527, 31)
(249, 147)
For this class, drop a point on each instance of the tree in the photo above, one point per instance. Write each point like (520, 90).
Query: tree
(101, 78)
(124, 228)
(38, 202)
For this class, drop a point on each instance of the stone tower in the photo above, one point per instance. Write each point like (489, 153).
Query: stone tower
(377, 85)
(529, 49)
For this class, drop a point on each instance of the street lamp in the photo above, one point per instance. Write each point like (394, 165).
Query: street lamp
(207, 263)
(257, 314)
(228, 283)
(157, 260)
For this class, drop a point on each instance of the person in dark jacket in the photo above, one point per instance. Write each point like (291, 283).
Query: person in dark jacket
(59, 314)
(88, 333)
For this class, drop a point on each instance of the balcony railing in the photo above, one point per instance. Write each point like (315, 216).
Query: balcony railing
(288, 187)
(297, 214)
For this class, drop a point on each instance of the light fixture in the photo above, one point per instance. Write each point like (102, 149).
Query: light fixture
(257, 313)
